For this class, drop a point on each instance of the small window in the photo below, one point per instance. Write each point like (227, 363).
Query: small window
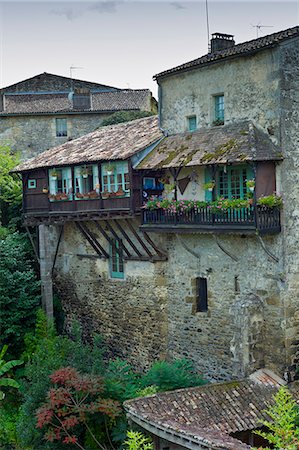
(116, 259)
(149, 183)
(219, 109)
(202, 295)
(60, 183)
(86, 182)
(192, 124)
(115, 179)
(61, 127)
(31, 184)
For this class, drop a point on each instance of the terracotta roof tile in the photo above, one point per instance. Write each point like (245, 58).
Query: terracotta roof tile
(237, 50)
(237, 142)
(107, 143)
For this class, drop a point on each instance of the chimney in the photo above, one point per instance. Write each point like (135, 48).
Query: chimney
(221, 41)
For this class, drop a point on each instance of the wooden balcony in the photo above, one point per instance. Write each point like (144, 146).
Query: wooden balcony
(263, 219)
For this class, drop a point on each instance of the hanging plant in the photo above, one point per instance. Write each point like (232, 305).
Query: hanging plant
(250, 184)
(84, 172)
(209, 186)
(54, 174)
(109, 169)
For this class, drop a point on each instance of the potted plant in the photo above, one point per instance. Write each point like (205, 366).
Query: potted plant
(79, 195)
(109, 169)
(209, 186)
(169, 188)
(84, 172)
(93, 194)
(250, 184)
(45, 190)
(120, 192)
(54, 174)
(105, 194)
(63, 196)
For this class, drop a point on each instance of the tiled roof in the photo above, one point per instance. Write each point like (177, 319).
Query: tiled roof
(237, 50)
(120, 100)
(107, 143)
(49, 81)
(238, 142)
(208, 413)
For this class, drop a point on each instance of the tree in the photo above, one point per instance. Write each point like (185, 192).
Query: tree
(72, 400)
(137, 441)
(10, 187)
(282, 433)
(125, 116)
(5, 368)
(19, 291)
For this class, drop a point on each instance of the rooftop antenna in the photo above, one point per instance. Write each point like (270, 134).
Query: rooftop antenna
(258, 27)
(208, 26)
(74, 68)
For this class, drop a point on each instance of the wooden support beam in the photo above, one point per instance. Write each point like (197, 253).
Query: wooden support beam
(107, 237)
(149, 240)
(127, 237)
(57, 247)
(138, 238)
(117, 238)
(32, 243)
(93, 237)
(94, 243)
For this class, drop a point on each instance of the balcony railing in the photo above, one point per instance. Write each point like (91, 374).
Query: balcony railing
(261, 218)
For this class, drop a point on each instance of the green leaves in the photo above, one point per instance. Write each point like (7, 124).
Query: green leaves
(283, 433)
(137, 441)
(5, 368)
(125, 116)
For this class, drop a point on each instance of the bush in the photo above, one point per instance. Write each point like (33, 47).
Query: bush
(125, 116)
(19, 291)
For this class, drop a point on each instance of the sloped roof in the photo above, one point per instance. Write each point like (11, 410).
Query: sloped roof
(120, 100)
(209, 413)
(42, 81)
(107, 143)
(237, 50)
(234, 143)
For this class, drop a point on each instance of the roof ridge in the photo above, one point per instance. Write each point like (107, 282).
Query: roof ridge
(232, 51)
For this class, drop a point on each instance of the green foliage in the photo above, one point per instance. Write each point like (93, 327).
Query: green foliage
(5, 368)
(125, 116)
(283, 433)
(169, 376)
(10, 187)
(149, 390)
(272, 201)
(137, 441)
(19, 291)
(51, 353)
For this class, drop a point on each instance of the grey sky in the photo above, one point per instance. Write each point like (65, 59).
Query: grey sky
(123, 43)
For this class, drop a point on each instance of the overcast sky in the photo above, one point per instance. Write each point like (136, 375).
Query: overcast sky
(123, 43)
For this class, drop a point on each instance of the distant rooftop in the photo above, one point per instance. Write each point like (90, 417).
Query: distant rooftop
(244, 48)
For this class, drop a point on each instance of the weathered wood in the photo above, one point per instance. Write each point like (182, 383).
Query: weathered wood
(93, 242)
(151, 242)
(118, 238)
(138, 238)
(127, 237)
(108, 239)
(32, 243)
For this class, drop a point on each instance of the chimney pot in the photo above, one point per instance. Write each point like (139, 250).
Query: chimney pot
(221, 41)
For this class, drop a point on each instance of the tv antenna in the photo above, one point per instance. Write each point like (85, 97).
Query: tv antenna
(208, 26)
(258, 27)
(74, 68)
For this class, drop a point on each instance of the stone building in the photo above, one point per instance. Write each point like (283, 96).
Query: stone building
(48, 110)
(212, 280)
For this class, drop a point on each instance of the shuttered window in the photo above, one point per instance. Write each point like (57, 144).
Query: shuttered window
(61, 127)
(192, 123)
(116, 259)
(219, 107)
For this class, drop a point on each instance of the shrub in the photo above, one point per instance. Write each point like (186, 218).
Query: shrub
(137, 441)
(125, 116)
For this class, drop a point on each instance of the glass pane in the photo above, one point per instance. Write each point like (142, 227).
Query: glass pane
(219, 107)
(192, 123)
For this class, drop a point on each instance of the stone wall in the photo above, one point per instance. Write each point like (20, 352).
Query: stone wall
(31, 135)
(289, 60)
(151, 314)
(250, 86)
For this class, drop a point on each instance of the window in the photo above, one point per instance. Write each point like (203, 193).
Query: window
(86, 183)
(116, 259)
(192, 125)
(202, 295)
(219, 108)
(149, 183)
(60, 182)
(232, 182)
(115, 178)
(31, 184)
(61, 127)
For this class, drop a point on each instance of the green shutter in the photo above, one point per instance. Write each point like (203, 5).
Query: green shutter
(208, 178)
(116, 259)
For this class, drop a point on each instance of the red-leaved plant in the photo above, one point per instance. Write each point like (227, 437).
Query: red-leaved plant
(70, 404)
